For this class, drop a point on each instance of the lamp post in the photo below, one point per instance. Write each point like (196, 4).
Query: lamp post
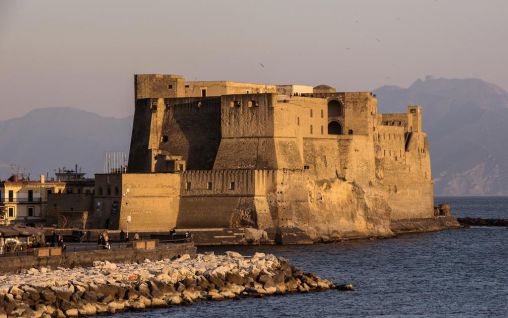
(129, 217)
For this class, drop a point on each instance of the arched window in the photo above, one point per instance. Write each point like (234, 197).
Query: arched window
(334, 128)
(335, 109)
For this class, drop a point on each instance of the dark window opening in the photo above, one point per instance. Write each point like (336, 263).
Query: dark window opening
(30, 195)
(322, 114)
(322, 129)
(11, 212)
(350, 131)
(187, 186)
(311, 129)
(170, 86)
(209, 186)
(335, 109)
(117, 191)
(298, 121)
(334, 128)
(30, 211)
(311, 113)
(236, 103)
(231, 186)
(306, 167)
(49, 191)
(203, 92)
(253, 103)
(165, 138)
(187, 86)
(11, 196)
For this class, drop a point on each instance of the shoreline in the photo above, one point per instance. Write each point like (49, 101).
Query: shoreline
(107, 288)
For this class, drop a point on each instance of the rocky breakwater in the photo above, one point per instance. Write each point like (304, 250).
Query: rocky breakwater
(109, 288)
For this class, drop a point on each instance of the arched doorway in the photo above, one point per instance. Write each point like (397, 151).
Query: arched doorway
(335, 109)
(334, 128)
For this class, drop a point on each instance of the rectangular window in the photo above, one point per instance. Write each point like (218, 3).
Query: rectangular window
(311, 113)
(298, 121)
(209, 186)
(170, 86)
(322, 129)
(11, 212)
(30, 211)
(231, 185)
(203, 92)
(322, 114)
(311, 129)
(49, 191)
(187, 186)
(30, 195)
(11, 196)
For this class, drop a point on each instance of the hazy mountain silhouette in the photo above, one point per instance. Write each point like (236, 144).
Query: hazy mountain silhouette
(46, 139)
(467, 123)
(466, 119)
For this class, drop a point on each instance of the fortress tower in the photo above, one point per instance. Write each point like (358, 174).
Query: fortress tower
(293, 162)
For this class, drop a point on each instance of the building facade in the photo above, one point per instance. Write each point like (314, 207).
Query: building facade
(279, 159)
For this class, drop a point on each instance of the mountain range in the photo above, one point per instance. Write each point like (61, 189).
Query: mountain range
(50, 138)
(466, 120)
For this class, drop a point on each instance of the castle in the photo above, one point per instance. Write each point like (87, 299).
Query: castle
(291, 163)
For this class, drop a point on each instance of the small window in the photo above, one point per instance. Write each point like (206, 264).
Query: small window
(235, 103)
(311, 114)
(187, 86)
(49, 191)
(11, 212)
(305, 167)
(350, 131)
(253, 103)
(187, 186)
(209, 186)
(165, 138)
(11, 196)
(30, 211)
(232, 185)
(322, 129)
(30, 195)
(117, 191)
(298, 121)
(322, 114)
(60, 191)
(170, 86)
(311, 129)
(203, 92)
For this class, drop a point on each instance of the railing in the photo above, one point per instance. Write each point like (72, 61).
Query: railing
(91, 246)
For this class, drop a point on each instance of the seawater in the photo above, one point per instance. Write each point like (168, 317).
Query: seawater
(453, 273)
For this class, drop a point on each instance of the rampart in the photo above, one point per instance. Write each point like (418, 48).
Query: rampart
(325, 164)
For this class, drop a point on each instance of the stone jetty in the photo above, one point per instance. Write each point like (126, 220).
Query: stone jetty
(106, 288)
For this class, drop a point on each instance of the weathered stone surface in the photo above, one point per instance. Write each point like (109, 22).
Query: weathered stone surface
(91, 291)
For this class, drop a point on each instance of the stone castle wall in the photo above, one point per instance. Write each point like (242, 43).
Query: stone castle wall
(327, 164)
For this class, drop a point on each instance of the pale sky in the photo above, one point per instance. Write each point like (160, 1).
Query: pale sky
(83, 54)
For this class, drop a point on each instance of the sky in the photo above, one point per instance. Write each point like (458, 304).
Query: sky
(84, 54)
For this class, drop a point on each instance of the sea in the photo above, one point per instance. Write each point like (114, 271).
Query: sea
(452, 273)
